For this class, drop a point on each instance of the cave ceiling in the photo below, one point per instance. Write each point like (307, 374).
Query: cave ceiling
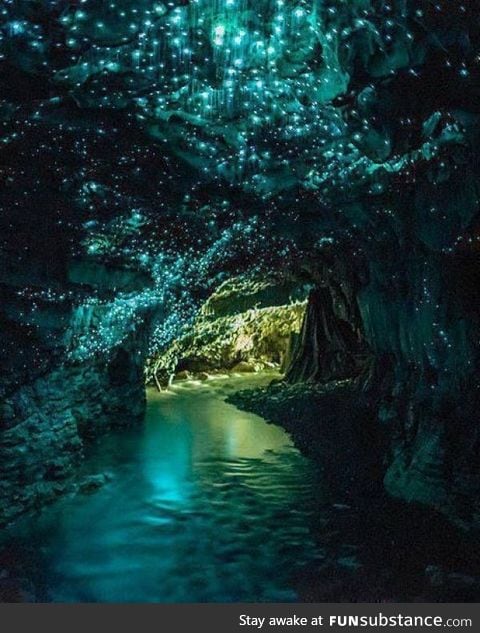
(193, 140)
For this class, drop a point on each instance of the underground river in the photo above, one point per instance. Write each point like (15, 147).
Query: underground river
(205, 502)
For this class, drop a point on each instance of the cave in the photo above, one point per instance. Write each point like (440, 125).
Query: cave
(240, 243)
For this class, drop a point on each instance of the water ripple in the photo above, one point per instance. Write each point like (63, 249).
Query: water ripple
(206, 503)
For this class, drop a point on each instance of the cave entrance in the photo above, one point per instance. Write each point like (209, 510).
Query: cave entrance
(303, 331)
(245, 326)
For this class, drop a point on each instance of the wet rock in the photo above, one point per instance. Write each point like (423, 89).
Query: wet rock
(43, 438)
(248, 320)
(182, 375)
(92, 483)
(243, 367)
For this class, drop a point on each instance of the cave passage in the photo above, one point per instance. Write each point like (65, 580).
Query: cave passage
(191, 188)
(208, 503)
(203, 503)
(244, 326)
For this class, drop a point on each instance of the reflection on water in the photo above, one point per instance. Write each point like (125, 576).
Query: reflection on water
(206, 503)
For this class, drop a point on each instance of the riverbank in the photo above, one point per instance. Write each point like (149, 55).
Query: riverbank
(330, 423)
(206, 502)
(402, 552)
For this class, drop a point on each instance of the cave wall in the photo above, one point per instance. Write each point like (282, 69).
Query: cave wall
(415, 298)
(330, 346)
(418, 317)
(53, 403)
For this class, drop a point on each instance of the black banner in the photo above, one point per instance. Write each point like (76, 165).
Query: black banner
(238, 618)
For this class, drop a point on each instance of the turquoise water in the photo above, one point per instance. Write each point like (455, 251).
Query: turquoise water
(205, 503)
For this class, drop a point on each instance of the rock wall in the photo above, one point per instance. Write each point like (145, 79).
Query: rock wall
(45, 426)
(49, 410)
(245, 325)
(414, 360)
(427, 396)
(328, 347)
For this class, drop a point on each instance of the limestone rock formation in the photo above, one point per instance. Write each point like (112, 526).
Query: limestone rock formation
(244, 326)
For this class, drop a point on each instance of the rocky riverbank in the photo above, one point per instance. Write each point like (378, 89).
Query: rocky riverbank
(331, 423)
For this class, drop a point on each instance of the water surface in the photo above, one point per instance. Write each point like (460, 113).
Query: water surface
(205, 503)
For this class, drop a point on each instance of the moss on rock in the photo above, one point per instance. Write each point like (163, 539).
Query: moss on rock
(232, 332)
